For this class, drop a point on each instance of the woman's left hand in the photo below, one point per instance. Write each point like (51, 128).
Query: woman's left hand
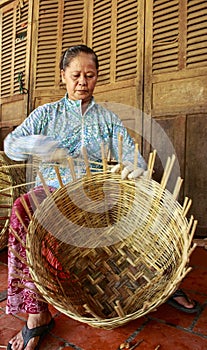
(128, 171)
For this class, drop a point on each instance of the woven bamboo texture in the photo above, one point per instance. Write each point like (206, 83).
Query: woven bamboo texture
(105, 251)
(12, 175)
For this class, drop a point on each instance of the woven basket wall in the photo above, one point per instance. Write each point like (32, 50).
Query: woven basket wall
(12, 174)
(105, 251)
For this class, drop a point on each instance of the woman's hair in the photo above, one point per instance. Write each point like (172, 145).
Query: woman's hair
(74, 51)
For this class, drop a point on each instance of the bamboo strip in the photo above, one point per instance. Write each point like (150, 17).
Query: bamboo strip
(187, 206)
(85, 157)
(120, 151)
(151, 165)
(177, 187)
(34, 198)
(58, 176)
(167, 171)
(119, 309)
(72, 168)
(136, 151)
(88, 309)
(17, 236)
(25, 262)
(43, 183)
(149, 161)
(192, 231)
(20, 219)
(17, 186)
(24, 203)
(104, 160)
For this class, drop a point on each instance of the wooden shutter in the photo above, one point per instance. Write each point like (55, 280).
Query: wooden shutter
(73, 27)
(101, 36)
(127, 39)
(196, 53)
(60, 25)
(179, 35)
(14, 39)
(7, 44)
(15, 35)
(113, 35)
(47, 40)
(20, 48)
(165, 35)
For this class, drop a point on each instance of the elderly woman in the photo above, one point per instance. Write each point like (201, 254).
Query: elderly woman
(53, 132)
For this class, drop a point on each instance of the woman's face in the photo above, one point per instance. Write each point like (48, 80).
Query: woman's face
(80, 77)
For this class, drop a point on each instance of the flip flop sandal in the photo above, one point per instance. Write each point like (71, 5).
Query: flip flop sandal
(40, 332)
(180, 293)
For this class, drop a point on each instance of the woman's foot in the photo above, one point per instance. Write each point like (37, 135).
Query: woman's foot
(182, 302)
(34, 321)
(186, 302)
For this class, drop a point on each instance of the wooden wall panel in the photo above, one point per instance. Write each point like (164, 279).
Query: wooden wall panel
(180, 96)
(13, 111)
(195, 174)
(176, 91)
(168, 138)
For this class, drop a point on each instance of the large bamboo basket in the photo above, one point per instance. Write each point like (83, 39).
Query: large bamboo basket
(12, 175)
(105, 251)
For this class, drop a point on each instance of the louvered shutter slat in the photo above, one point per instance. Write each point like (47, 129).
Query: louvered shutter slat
(101, 38)
(126, 40)
(72, 23)
(6, 58)
(165, 36)
(196, 6)
(20, 45)
(196, 51)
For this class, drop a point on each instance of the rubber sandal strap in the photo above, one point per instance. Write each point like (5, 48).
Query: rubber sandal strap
(28, 333)
(179, 293)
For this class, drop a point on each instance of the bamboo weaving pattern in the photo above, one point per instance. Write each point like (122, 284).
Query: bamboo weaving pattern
(105, 251)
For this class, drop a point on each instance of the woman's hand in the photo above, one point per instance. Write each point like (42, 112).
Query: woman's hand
(128, 171)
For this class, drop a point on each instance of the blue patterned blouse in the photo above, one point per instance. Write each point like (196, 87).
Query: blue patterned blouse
(63, 123)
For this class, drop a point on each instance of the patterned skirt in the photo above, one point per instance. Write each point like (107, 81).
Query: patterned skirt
(22, 293)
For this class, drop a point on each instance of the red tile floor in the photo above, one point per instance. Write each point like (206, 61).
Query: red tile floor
(164, 329)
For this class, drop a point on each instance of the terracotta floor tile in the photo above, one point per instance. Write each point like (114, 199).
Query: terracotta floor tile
(201, 325)
(88, 338)
(3, 304)
(9, 326)
(170, 315)
(196, 280)
(51, 343)
(169, 338)
(199, 257)
(3, 277)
